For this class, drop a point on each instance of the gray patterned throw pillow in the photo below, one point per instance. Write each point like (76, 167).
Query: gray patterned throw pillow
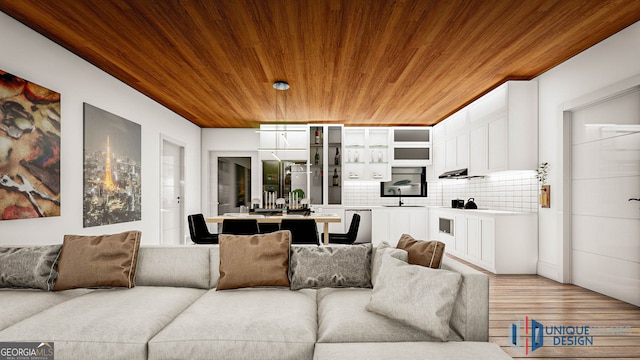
(29, 267)
(330, 266)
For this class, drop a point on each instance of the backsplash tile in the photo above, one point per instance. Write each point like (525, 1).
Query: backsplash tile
(510, 192)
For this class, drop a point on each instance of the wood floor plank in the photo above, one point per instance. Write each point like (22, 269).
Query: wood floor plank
(512, 297)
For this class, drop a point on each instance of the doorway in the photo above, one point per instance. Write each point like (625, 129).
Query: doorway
(234, 184)
(605, 178)
(172, 193)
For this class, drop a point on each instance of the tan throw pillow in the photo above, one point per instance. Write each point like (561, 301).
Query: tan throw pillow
(254, 260)
(98, 261)
(415, 295)
(425, 253)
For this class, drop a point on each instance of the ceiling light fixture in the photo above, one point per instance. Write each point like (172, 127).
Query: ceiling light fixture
(281, 85)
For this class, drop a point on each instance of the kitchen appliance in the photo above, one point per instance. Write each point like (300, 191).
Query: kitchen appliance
(445, 226)
(405, 182)
(470, 204)
(455, 174)
(457, 203)
(283, 177)
(458, 174)
(364, 229)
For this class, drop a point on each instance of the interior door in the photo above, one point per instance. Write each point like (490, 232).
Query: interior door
(605, 176)
(172, 185)
(234, 184)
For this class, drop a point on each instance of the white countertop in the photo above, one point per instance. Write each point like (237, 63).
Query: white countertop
(473, 211)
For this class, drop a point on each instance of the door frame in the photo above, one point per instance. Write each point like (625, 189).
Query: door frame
(183, 176)
(211, 197)
(565, 208)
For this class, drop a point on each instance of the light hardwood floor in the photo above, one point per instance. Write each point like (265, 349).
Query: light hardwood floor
(512, 297)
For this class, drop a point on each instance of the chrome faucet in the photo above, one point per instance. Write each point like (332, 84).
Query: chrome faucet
(400, 202)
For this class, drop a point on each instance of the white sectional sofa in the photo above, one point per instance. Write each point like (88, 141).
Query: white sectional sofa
(175, 312)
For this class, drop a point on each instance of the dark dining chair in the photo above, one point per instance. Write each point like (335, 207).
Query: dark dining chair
(303, 231)
(266, 228)
(199, 232)
(240, 226)
(350, 237)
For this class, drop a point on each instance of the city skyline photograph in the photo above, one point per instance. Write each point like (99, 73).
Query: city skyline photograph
(112, 163)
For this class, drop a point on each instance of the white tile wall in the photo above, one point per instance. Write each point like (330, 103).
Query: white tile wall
(510, 192)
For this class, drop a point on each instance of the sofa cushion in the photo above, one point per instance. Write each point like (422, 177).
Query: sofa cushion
(179, 266)
(256, 323)
(416, 295)
(378, 252)
(19, 304)
(254, 260)
(425, 253)
(465, 350)
(29, 267)
(342, 317)
(106, 323)
(98, 261)
(331, 266)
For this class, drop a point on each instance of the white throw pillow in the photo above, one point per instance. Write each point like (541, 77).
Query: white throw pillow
(415, 295)
(380, 251)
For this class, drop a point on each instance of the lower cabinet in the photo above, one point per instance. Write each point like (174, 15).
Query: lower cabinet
(388, 224)
(501, 242)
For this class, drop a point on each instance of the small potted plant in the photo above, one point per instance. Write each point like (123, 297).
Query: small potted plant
(545, 190)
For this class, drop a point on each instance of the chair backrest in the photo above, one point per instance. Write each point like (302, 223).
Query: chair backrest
(240, 226)
(197, 226)
(303, 231)
(353, 228)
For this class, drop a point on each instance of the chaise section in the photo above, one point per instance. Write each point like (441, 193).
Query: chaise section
(106, 323)
(19, 304)
(342, 317)
(466, 350)
(256, 323)
(470, 316)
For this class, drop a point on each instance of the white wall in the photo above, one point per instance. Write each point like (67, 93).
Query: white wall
(609, 62)
(33, 57)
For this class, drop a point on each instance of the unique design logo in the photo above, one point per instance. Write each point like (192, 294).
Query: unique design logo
(533, 335)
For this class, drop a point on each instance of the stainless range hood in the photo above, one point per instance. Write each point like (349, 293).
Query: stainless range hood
(455, 174)
(458, 174)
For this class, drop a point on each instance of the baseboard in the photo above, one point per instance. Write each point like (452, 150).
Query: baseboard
(549, 270)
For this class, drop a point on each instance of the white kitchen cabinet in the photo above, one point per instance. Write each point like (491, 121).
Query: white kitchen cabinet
(457, 152)
(497, 132)
(389, 223)
(499, 241)
(478, 148)
(503, 129)
(367, 154)
(411, 146)
(287, 142)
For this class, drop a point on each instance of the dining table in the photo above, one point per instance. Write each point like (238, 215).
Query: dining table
(324, 218)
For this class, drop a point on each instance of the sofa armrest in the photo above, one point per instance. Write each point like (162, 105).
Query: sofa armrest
(470, 317)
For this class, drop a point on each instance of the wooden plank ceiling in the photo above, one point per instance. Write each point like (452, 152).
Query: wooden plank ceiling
(357, 62)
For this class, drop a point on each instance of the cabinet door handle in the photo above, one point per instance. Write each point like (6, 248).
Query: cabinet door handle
(634, 199)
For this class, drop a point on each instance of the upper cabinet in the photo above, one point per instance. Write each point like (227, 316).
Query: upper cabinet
(283, 142)
(497, 132)
(367, 153)
(411, 146)
(503, 129)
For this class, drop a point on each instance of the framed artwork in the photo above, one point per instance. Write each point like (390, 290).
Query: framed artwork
(112, 164)
(29, 149)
